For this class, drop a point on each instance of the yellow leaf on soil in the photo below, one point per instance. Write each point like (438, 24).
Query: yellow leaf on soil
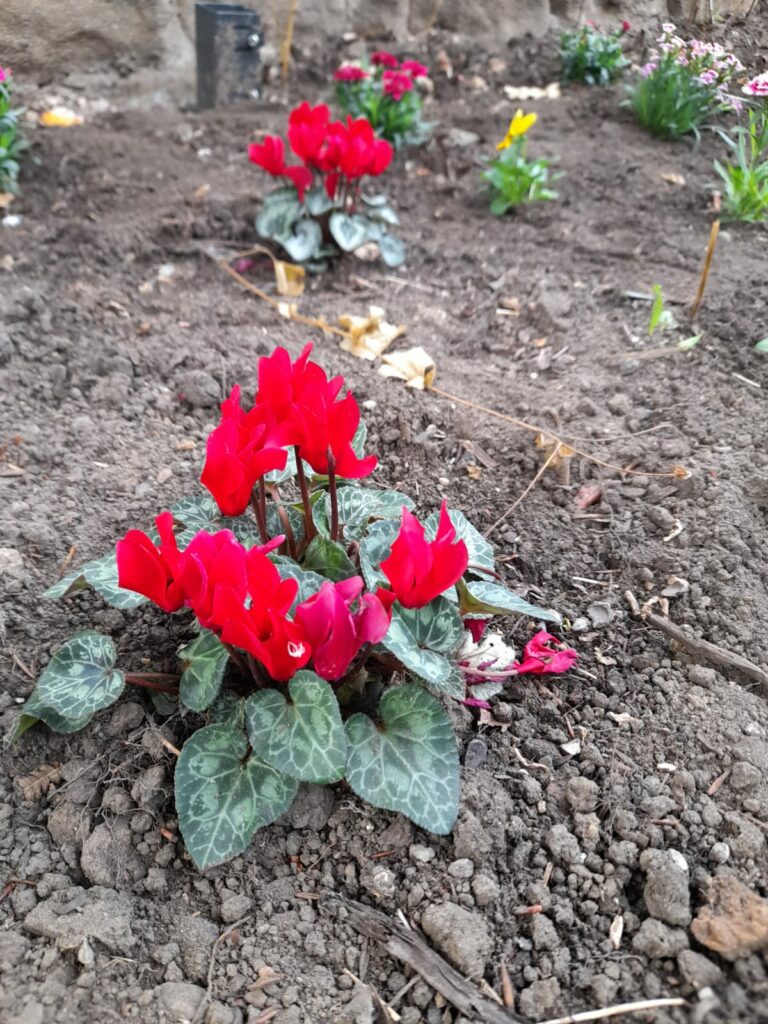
(370, 335)
(413, 365)
(289, 279)
(60, 117)
(6, 198)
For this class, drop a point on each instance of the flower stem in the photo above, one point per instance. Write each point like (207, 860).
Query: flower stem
(238, 659)
(309, 525)
(259, 505)
(148, 681)
(333, 496)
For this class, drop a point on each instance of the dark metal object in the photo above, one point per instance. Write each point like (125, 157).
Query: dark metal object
(229, 38)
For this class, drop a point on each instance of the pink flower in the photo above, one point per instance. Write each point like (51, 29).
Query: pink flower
(5, 74)
(708, 77)
(384, 59)
(545, 654)
(396, 84)
(414, 68)
(334, 631)
(625, 26)
(648, 69)
(350, 73)
(757, 86)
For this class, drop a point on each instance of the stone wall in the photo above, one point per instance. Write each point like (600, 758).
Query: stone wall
(51, 37)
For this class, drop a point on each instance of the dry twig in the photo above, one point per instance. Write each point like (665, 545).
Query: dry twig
(199, 1013)
(705, 269)
(614, 1011)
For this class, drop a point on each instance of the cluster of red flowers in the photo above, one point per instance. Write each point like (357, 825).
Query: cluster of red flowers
(396, 78)
(237, 592)
(340, 151)
(296, 404)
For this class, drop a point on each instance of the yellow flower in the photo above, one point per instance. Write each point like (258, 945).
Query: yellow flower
(518, 126)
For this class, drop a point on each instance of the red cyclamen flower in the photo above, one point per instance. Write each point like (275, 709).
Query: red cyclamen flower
(544, 654)
(396, 84)
(359, 152)
(350, 73)
(270, 156)
(336, 633)
(152, 570)
(384, 59)
(420, 570)
(305, 406)
(238, 454)
(414, 68)
(307, 132)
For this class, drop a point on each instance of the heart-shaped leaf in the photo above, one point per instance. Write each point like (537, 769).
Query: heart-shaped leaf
(303, 243)
(421, 637)
(79, 680)
(392, 249)
(34, 713)
(374, 548)
(482, 599)
(223, 795)
(279, 210)
(309, 582)
(101, 574)
(205, 661)
(349, 231)
(329, 558)
(408, 763)
(302, 737)
(358, 506)
(317, 202)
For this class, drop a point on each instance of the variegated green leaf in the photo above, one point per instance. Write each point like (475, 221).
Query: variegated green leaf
(420, 638)
(309, 582)
(358, 506)
(409, 762)
(223, 795)
(79, 680)
(328, 558)
(374, 548)
(101, 574)
(302, 737)
(205, 661)
(480, 598)
(480, 550)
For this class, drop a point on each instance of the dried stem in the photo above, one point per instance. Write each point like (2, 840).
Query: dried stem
(521, 498)
(238, 659)
(150, 684)
(285, 522)
(705, 269)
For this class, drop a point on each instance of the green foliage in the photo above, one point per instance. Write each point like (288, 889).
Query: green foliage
(205, 660)
(745, 175)
(423, 639)
(302, 737)
(398, 121)
(12, 142)
(661, 317)
(407, 762)
(669, 101)
(224, 793)
(78, 681)
(591, 57)
(514, 179)
(319, 229)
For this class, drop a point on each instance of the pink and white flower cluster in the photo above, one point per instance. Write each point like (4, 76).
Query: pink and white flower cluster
(709, 62)
(757, 86)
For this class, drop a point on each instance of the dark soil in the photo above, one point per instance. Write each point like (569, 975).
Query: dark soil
(110, 382)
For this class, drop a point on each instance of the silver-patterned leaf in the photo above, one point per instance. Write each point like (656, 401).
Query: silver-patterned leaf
(408, 763)
(205, 661)
(302, 737)
(358, 506)
(101, 574)
(309, 582)
(420, 638)
(328, 558)
(374, 548)
(480, 598)
(223, 796)
(79, 680)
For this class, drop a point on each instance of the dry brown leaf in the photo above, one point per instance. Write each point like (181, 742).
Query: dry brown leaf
(200, 193)
(289, 279)
(413, 365)
(672, 178)
(486, 717)
(39, 781)
(6, 198)
(287, 309)
(187, 445)
(267, 975)
(555, 451)
(371, 335)
(474, 472)
(539, 342)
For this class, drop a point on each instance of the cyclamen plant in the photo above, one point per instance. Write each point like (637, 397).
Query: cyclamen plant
(684, 83)
(324, 213)
(387, 95)
(327, 626)
(12, 143)
(591, 56)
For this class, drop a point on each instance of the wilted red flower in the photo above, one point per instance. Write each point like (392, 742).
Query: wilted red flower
(350, 73)
(384, 59)
(396, 84)
(335, 632)
(420, 570)
(238, 454)
(270, 156)
(544, 654)
(414, 68)
(151, 570)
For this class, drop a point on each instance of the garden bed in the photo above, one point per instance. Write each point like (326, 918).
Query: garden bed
(120, 335)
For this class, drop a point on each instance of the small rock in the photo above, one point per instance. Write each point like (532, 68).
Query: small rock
(359, 1009)
(108, 855)
(461, 935)
(563, 845)
(463, 868)
(196, 936)
(421, 854)
(234, 906)
(125, 718)
(667, 881)
(719, 853)
(543, 933)
(600, 613)
(311, 809)
(541, 999)
(68, 824)
(461, 138)
(179, 999)
(582, 794)
(698, 970)
(199, 388)
(485, 889)
(657, 940)
(744, 776)
(149, 789)
(475, 754)
(69, 916)
(734, 921)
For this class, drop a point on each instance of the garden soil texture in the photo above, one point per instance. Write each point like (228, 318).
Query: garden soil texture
(598, 808)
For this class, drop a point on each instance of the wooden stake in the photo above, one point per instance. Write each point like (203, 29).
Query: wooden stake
(285, 46)
(705, 270)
